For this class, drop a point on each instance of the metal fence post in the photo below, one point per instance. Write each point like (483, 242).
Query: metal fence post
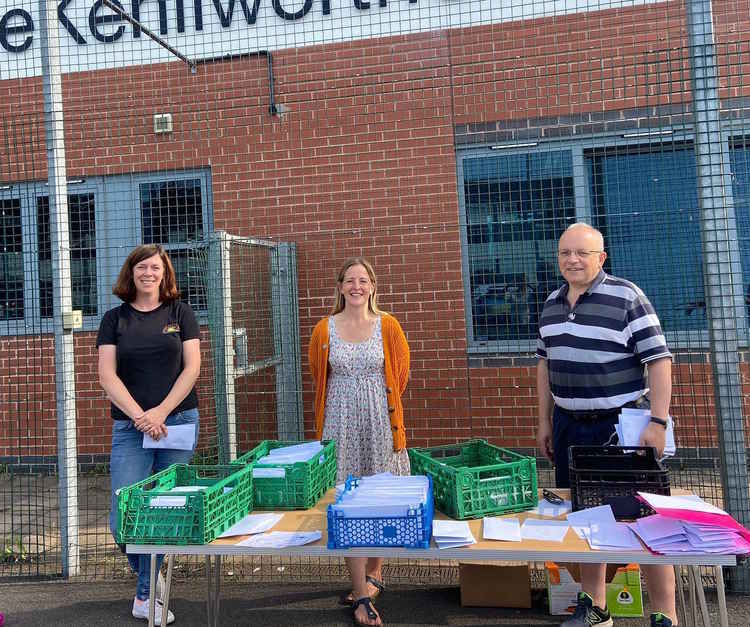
(61, 289)
(286, 342)
(722, 268)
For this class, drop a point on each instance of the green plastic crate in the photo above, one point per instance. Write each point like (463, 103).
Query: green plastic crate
(473, 478)
(303, 484)
(225, 498)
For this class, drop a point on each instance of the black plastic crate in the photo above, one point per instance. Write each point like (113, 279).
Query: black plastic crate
(611, 475)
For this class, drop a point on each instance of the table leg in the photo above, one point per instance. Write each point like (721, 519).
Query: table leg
(217, 585)
(722, 597)
(695, 571)
(681, 605)
(209, 596)
(152, 593)
(168, 585)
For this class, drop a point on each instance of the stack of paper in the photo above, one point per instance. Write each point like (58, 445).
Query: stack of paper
(449, 534)
(688, 524)
(545, 530)
(633, 421)
(551, 510)
(285, 455)
(383, 496)
(598, 526)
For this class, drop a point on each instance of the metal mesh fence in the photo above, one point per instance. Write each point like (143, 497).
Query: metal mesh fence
(450, 143)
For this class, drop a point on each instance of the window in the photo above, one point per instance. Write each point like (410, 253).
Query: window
(739, 155)
(107, 217)
(645, 202)
(172, 215)
(82, 234)
(516, 207)
(642, 196)
(11, 260)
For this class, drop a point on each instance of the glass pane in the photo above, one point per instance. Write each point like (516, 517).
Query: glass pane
(740, 160)
(172, 211)
(82, 233)
(517, 206)
(645, 202)
(11, 260)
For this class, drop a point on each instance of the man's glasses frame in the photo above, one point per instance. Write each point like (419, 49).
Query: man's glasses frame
(581, 254)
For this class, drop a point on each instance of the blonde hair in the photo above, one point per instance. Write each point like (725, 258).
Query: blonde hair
(338, 298)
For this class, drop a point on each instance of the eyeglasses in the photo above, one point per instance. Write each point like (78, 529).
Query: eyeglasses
(553, 498)
(581, 254)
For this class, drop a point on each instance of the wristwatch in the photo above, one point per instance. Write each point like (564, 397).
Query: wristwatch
(659, 421)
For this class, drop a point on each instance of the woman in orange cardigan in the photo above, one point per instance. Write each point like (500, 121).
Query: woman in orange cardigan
(360, 362)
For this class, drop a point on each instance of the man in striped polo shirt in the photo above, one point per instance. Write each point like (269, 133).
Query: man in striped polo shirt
(597, 334)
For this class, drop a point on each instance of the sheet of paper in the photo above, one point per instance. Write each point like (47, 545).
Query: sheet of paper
(179, 437)
(449, 544)
(652, 528)
(281, 539)
(251, 524)
(658, 501)
(551, 510)
(613, 536)
(634, 421)
(168, 501)
(507, 529)
(547, 530)
(582, 519)
(268, 473)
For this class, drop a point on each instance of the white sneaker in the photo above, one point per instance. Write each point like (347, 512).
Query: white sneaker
(161, 585)
(140, 610)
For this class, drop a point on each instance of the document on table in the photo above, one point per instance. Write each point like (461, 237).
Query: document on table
(179, 437)
(508, 529)
(449, 534)
(281, 539)
(551, 510)
(634, 421)
(615, 536)
(582, 520)
(546, 530)
(252, 524)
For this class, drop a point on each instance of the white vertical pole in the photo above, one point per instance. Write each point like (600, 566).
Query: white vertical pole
(61, 288)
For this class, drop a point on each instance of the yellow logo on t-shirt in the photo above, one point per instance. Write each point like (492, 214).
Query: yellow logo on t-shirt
(172, 327)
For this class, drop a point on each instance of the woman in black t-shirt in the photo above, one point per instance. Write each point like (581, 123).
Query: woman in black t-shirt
(149, 361)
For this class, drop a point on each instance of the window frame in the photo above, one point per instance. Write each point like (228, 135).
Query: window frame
(116, 195)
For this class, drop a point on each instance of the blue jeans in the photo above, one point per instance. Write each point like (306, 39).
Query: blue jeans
(131, 463)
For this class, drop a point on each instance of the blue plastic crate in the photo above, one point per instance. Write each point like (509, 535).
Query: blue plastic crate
(413, 531)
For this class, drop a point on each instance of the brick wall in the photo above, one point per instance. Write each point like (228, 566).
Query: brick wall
(363, 163)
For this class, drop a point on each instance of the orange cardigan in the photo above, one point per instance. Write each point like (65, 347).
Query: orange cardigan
(396, 352)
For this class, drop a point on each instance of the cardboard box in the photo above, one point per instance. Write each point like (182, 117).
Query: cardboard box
(624, 594)
(503, 584)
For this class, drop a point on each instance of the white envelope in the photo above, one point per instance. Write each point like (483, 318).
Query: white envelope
(179, 437)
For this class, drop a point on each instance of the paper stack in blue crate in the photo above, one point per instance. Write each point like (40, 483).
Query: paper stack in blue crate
(382, 510)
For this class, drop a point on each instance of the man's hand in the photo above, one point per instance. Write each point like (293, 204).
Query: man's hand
(544, 440)
(654, 435)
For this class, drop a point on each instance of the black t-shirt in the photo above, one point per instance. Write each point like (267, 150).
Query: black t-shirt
(149, 351)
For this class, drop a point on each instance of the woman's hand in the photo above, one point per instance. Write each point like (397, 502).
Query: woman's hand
(152, 422)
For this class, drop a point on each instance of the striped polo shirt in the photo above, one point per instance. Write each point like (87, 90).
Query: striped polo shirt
(596, 351)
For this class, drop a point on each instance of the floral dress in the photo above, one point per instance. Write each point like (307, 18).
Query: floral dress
(356, 411)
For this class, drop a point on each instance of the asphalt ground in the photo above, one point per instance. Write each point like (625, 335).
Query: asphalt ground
(104, 604)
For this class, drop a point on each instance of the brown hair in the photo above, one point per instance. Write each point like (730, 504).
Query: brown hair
(338, 298)
(125, 287)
